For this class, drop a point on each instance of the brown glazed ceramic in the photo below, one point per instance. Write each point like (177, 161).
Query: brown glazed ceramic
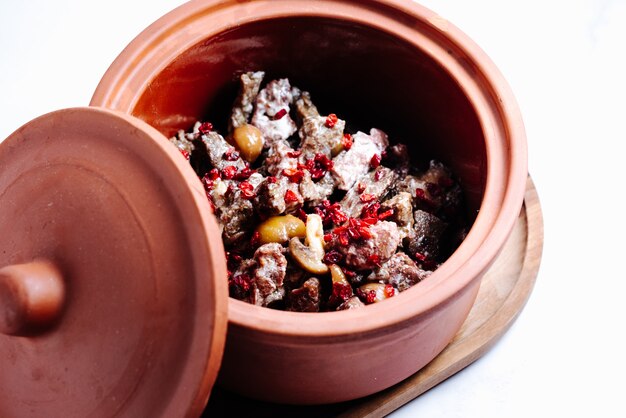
(108, 272)
(388, 64)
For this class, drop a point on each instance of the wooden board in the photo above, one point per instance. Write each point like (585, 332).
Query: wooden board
(504, 291)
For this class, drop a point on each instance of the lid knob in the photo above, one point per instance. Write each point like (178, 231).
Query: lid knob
(31, 297)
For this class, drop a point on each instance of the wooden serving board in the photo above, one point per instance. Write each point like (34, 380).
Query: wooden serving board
(504, 291)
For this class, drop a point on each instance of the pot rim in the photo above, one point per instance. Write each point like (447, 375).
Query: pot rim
(464, 61)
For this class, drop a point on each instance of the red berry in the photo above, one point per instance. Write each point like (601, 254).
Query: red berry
(386, 214)
(247, 190)
(328, 237)
(294, 175)
(272, 179)
(331, 120)
(256, 239)
(365, 232)
(290, 197)
(229, 172)
(185, 153)
(366, 197)
(333, 257)
(244, 174)
(349, 273)
(294, 154)
(375, 161)
(344, 239)
(374, 259)
(280, 114)
(346, 141)
(341, 292)
(318, 166)
(378, 175)
(214, 174)
(300, 213)
(367, 296)
(389, 290)
(205, 128)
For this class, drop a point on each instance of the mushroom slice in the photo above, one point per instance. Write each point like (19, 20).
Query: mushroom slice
(307, 258)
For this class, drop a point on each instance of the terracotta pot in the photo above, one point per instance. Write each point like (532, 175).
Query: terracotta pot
(388, 64)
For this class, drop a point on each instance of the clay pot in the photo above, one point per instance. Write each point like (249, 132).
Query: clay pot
(388, 64)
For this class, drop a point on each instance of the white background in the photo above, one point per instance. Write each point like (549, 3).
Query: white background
(566, 64)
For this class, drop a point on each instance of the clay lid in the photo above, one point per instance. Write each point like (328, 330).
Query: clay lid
(113, 298)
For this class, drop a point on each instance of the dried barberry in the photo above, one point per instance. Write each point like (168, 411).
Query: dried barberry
(366, 197)
(290, 197)
(229, 172)
(341, 292)
(374, 259)
(332, 257)
(240, 286)
(347, 141)
(331, 120)
(185, 153)
(205, 128)
(318, 166)
(294, 154)
(280, 114)
(256, 239)
(366, 296)
(375, 161)
(389, 291)
(247, 190)
(294, 175)
(300, 213)
(244, 173)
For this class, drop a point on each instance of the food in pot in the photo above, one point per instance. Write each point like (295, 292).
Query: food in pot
(316, 216)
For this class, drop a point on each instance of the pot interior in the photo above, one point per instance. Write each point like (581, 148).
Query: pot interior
(366, 76)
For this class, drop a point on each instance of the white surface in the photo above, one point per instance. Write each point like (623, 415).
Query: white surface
(566, 63)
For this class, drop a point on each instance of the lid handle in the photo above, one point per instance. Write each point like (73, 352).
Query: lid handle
(31, 297)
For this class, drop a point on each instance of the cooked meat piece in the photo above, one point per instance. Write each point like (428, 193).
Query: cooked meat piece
(402, 212)
(268, 274)
(427, 235)
(184, 141)
(410, 184)
(235, 213)
(305, 298)
(400, 271)
(351, 165)
(304, 106)
(367, 190)
(436, 173)
(366, 254)
(240, 283)
(314, 193)
(271, 114)
(221, 154)
(249, 85)
(270, 197)
(255, 180)
(295, 276)
(353, 303)
(280, 157)
(317, 138)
